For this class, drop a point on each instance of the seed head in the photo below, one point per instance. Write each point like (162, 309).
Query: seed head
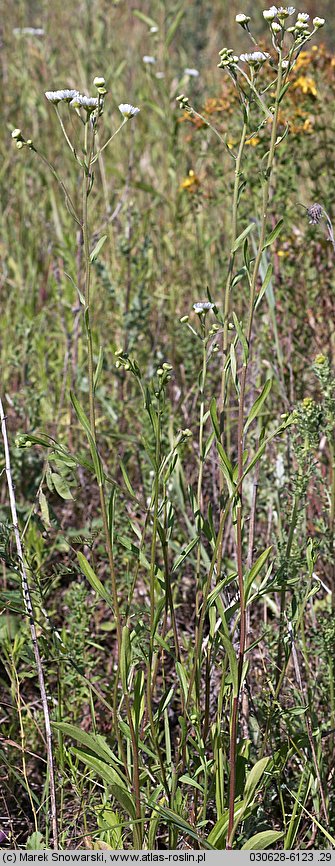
(315, 213)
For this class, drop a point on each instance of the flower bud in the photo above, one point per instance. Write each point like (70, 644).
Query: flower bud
(242, 19)
(318, 22)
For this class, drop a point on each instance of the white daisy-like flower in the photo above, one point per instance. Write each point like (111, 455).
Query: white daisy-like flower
(89, 103)
(318, 22)
(275, 27)
(303, 16)
(128, 110)
(147, 58)
(255, 57)
(193, 73)
(285, 64)
(270, 14)
(285, 11)
(56, 96)
(242, 19)
(203, 306)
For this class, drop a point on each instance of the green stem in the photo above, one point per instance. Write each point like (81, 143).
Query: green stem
(239, 542)
(88, 150)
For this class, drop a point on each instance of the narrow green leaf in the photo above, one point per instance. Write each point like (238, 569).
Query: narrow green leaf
(97, 249)
(145, 18)
(239, 276)
(262, 840)
(233, 366)
(242, 339)
(112, 778)
(93, 448)
(94, 580)
(94, 742)
(253, 779)
(173, 818)
(256, 568)
(174, 27)
(188, 781)
(125, 657)
(239, 241)
(274, 234)
(232, 662)
(127, 479)
(98, 369)
(256, 408)
(265, 284)
(180, 559)
(214, 417)
(182, 678)
(283, 91)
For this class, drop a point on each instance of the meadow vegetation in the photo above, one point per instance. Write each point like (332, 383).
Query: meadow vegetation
(167, 511)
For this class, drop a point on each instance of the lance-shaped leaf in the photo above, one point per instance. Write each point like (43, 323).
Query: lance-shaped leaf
(256, 408)
(274, 234)
(239, 241)
(97, 249)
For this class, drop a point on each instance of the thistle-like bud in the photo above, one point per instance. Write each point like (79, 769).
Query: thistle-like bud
(315, 213)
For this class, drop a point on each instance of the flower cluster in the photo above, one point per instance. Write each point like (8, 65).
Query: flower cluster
(228, 59)
(56, 96)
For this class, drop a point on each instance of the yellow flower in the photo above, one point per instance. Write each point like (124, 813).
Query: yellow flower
(253, 141)
(191, 182)
(303, 60)
(306, 85)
